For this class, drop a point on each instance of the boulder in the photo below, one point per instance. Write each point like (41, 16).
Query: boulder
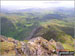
(59, 47)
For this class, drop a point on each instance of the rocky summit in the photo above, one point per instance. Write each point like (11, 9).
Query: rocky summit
(35, 47)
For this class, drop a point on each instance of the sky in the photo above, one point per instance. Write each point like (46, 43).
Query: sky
(35, 4)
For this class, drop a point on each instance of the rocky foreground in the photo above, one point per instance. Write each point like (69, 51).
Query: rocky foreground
(35, 47)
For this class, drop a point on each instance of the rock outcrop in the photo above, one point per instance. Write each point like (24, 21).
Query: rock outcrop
(35, 47)
(2, 38)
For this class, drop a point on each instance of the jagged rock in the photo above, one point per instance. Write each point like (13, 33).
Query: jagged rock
(53, 43)
(43, 47)
(59, 46)
(2, 38)
(11, 39)
(35, 47)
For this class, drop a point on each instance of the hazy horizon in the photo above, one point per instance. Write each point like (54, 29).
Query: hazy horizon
(15, 5)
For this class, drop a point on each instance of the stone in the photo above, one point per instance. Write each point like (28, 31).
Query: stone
(2, 38)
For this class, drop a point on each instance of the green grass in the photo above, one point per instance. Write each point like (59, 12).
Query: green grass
(68, 47)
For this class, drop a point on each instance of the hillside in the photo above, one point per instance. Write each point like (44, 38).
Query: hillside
(20, 24)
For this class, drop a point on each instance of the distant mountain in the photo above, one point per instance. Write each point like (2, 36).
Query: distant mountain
(60, 9)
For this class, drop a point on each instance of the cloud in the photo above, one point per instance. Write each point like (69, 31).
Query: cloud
(38, 4)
